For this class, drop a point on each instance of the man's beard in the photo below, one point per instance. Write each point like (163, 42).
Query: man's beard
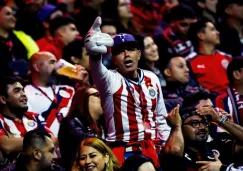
(52, 79)
(19, 111)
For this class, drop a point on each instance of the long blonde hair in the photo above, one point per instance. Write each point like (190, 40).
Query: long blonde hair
(99, 145)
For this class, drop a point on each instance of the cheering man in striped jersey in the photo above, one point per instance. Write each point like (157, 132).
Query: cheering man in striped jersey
(132, 98)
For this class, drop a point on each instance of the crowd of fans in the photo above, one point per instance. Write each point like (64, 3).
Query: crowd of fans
(155, 85)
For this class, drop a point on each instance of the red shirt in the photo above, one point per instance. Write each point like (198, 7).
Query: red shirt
(210, 70)
(54, 46)
(147, 19)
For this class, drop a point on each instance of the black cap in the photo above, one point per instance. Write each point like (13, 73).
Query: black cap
(188, 112)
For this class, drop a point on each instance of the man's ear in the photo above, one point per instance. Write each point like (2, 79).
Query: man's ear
(200, 36)
(236, 75)
(3, 100)
(74, 59)
(228, 10)
(167, 72)
(36, 66)
(60, 31)
(139, 52)
(46, 24)
(201, 4)
(37, 154)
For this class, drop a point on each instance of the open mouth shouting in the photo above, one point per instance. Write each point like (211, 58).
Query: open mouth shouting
(128, 62)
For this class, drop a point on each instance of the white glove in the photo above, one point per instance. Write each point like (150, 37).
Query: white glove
(96, 42)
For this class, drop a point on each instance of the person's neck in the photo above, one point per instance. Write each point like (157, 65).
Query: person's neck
(172, 84)
(196, 146)
(38, 81)
(9, 112)
(236, 24)
(238, 88)
(133, 75)
(32, 166)
(124, 22)
(4, 33)
(150, 65)
(60, 42)
(48, 35)
(206, 49)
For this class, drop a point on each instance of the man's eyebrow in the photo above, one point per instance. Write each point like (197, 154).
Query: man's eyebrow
(17, 88)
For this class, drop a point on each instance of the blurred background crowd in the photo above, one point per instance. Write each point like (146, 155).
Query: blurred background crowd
(194, 47)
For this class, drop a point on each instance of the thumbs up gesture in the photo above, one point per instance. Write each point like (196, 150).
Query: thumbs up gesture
(96, 42)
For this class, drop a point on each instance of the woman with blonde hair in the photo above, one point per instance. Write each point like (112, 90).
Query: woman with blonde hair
(94, 154)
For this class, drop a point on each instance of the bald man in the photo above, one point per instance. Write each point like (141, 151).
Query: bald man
(51, 101)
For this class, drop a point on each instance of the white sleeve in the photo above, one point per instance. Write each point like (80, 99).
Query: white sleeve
(162, 127)
(105, 80)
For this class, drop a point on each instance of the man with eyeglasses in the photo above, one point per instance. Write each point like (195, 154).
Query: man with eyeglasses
(187, 145)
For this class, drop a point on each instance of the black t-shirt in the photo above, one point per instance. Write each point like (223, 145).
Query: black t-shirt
(222, 145)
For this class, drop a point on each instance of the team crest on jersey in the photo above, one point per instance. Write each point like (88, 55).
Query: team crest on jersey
(152, 92)
(225, 63)
(31, 123)
(64, 94)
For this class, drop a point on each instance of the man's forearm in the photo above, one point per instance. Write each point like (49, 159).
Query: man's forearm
(175, 143)
(234, 129)
(9, 145)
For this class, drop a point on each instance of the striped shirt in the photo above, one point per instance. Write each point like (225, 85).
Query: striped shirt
(134, 111)
(52, 103)
(17, 128)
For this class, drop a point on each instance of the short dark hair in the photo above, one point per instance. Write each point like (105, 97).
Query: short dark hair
(60, 21)
(2, 4)
(192, 100)
(35, 139)
(235, 64)
(196, 28)
(8, 80)
(181, 12)
(134, 162)
(74, 48)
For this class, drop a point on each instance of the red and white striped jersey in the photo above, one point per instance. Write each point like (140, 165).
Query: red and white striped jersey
(52, 103)
(18, 128)
(134, 111)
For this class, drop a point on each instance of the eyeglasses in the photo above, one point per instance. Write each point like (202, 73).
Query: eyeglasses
(197, 123)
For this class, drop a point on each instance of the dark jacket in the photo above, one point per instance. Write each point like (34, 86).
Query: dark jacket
(19, 165)
(72, 131)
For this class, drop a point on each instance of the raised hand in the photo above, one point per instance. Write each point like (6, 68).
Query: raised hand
(174, 117)
(96, 42)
